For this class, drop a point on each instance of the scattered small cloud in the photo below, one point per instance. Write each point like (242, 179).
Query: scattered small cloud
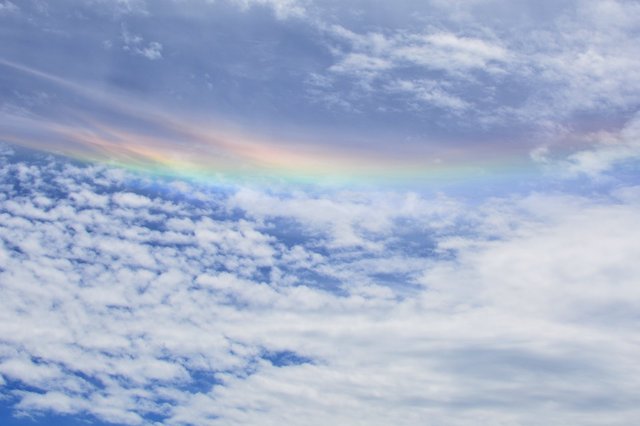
(136, 45)
(430, 93)
(283, 9)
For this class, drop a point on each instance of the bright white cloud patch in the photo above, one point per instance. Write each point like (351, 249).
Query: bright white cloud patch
(135, 302)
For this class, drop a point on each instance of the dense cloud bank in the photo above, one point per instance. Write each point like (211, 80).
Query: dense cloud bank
(145, 301)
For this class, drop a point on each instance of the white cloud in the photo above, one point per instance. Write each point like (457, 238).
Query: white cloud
(7, 7)
(57, 402)
(438, 50)
(135, 44)
(359, 63)
(283, 9)
(26, 371)
(151, 51)
(124, 7)
(429, 92)
(605, 151)
(339, 307)
(568, 61)
(132, 200)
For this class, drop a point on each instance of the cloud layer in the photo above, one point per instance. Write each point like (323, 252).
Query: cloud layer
(140, 301)
(432, 80)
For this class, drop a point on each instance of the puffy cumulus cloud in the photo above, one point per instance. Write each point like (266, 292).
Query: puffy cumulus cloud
(138, 301)
(347, 218)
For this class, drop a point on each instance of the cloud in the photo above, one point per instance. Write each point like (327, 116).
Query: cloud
(606, 152)
(139, 300)
(429, 92)
(438, 51)
(436, 76)
(283, 9)
(7, 7)
(430, 67)
(123, 8)
(576, 60)
(609, 152)
(135, 44)
(130, 301)
(359, 63)
(129, 199)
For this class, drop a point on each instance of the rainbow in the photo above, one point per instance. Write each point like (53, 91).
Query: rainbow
(169, 145)
(198, 152)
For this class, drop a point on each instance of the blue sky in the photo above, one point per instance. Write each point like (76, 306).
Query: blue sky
(294, 212)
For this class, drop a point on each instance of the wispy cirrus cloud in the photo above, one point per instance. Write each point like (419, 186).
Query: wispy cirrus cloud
(136, 45)
(436, 76)
(442, 51)
(8, 7)
(283, 9)
(579, 59)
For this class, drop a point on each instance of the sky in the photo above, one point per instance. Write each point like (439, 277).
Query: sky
(240, 212)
